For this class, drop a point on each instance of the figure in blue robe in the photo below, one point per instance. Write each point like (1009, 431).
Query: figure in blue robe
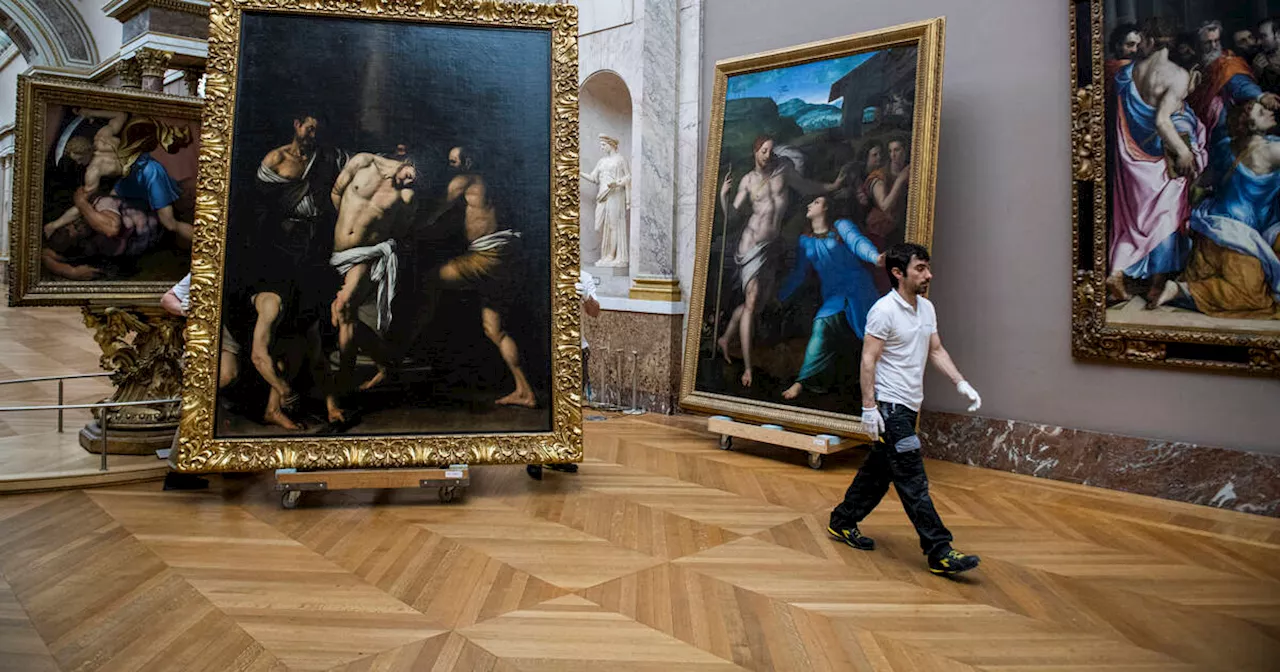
(840, 258)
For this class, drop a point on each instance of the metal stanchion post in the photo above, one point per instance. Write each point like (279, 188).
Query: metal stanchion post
(588, 397)
(622, 371)
(102, 420)
(59, 405)
(635, 377)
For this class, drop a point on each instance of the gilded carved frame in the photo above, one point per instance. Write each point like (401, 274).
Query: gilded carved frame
(1091, 336)
(35, 93)
(197, 450)
(929, 38)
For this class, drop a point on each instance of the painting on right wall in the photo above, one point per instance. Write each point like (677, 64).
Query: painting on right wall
(1176, 163)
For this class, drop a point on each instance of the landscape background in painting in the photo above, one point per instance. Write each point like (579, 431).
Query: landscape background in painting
(378, 84)
(1163, 269)
(824, 116)
(162, 256)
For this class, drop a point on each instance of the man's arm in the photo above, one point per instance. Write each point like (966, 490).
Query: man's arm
(1170, 102)
(103, 221)
(810, 187)
(59, 266)
(457, 187)
(942, 359)
(887, 199)
(115, 120)
(171, 303)
(348, 173)
(860, 245)
(871, 349)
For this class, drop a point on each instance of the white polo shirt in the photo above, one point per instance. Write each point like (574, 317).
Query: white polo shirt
(906, 332)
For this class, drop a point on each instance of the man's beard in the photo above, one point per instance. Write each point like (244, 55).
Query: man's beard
(305, 142)
(1210, 57)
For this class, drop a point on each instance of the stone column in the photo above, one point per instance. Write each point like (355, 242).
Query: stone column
(192, 79)
(653, 269)
(688, 142)
(130, 73)
(154, 64)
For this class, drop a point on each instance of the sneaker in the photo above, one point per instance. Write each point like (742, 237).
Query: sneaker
(952, 562)
(852, 537)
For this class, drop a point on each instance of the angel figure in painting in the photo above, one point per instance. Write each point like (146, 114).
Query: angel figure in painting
(613, 201)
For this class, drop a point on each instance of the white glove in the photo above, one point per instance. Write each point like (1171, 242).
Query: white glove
(964, 388)
(872, 423)
(586, 285)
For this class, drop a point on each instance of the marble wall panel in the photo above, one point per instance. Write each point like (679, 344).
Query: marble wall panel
(1185, 472)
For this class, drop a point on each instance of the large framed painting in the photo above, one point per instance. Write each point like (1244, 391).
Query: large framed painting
(104, 193)
(819, 158)
(387, 239)
(1176, 168)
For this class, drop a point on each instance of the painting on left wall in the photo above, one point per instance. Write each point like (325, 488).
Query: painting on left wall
(104, 193)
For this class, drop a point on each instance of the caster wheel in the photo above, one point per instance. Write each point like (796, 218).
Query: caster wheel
(534, 471)
(448, 493)
(289, 499)
(726, 442)
(815, 461)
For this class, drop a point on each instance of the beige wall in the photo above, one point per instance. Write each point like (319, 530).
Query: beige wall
(10, 68)
(1003, 231)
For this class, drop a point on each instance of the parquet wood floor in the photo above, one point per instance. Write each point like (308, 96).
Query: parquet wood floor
(37, 342)
(663, 553)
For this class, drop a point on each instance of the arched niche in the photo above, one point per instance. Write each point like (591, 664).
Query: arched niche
(604, 106)
(49, 33)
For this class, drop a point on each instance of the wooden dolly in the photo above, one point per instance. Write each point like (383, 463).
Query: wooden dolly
(817, 446)
(452, 481)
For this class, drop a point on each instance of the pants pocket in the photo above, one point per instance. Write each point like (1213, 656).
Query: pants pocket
(907, 444)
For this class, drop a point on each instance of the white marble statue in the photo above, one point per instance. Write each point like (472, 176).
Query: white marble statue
(613, 200)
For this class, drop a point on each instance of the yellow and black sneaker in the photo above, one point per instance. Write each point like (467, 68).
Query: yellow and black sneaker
(851, 536)
(952, 562)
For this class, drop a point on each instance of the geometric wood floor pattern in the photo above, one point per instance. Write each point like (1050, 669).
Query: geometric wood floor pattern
(663, 553)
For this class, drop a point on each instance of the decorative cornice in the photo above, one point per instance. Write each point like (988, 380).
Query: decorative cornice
(123, 10)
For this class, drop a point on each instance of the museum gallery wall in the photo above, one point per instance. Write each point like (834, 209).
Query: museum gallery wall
(820, 158)
(105, 196)
(397, 199)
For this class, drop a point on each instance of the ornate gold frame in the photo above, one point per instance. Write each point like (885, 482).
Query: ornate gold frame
(26, 286)
(1091, 336)
(197, 449)
(929, 38)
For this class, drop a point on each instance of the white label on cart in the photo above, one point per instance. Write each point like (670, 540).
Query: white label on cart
(453, 473)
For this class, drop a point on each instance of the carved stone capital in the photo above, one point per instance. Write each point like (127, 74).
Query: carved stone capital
(154, 62)
(130, 73)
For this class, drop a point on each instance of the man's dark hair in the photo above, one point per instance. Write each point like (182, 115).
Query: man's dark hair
(467, 156)
(302, 114)
(1158, 27)
(899, 257)
(1119, 34)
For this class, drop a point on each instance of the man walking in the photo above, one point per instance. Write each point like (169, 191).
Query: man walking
(901, 333)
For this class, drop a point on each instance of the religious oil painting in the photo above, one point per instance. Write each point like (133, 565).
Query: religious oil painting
(1177, 168)
(821, 157)
(386, 266)
(105, 193)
